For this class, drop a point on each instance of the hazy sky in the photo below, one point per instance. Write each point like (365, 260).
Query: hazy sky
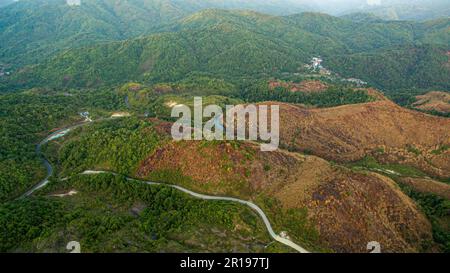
(336, 6)
(329, 6)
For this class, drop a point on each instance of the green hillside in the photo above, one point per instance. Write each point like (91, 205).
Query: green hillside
(31, 30)
(421, 67)
(241, 44)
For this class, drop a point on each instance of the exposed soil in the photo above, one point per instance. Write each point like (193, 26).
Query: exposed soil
(433, 101)
(388, 132)
(306, 86)
(161, 127)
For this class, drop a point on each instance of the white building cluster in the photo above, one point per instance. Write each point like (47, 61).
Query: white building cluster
(317, 63)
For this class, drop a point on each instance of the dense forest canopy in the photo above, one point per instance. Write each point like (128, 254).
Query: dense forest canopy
(238, 44)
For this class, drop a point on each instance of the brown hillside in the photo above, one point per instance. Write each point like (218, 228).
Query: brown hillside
(347, 209)
(433, 101)
(306, 86)
(382, 129)
(427, 185)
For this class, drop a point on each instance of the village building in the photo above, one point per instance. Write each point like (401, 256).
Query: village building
(317, 63)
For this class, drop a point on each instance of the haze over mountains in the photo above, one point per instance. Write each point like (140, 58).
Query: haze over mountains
(389, 9)
(405, 9)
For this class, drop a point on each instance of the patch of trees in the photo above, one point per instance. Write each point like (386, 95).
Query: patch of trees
(27, 117)
(118, 145)
(101, 218)
(333, 96)
(24, 220)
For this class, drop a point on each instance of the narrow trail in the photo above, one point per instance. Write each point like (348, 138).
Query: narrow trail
(57, 134)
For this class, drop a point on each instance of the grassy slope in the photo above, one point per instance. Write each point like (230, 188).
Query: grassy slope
(432, 200)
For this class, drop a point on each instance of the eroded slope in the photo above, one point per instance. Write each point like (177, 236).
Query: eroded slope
(348, 209)
(381, 129)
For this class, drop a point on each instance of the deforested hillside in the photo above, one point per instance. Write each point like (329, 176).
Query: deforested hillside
(434, 101)
(346, 208)
(421, 67)
(380, 129)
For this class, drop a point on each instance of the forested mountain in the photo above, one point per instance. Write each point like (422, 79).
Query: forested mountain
(5, 2)
(408, 9)
(243, 43)
(414, 11)
(31, 30)
(420, 67)
(275, 7)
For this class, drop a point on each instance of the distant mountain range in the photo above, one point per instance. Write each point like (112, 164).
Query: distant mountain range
(6, 2)
(32, 30)
(408, 10)
(104, 42)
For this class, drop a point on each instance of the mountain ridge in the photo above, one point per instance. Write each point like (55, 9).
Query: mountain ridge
(246, 43)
